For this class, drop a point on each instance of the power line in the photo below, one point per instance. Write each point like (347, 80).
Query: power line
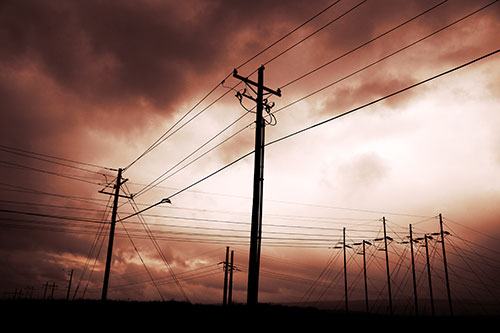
(326, 121)
(48, 172)
(157, 181)
(166, 135)
(384, 58)
(362, 45)
(316, 31)
(25, 153)
(288, 33)
(384, 97)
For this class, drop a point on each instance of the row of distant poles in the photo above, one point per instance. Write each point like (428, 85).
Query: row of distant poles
(258, 182)
(411, 241)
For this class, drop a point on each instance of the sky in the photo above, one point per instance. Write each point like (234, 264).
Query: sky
(87, 87)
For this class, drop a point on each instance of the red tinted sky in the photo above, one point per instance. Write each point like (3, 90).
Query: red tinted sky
(99, 82)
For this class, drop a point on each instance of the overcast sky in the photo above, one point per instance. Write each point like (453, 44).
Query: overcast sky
(99, 82)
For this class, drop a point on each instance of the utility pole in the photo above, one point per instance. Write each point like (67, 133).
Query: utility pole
(431, 296)
(46, 285)
(258, 183)
(230, 292)
(109, 256)
(387, 266)
(413, 273)
(445, 264)
(69, 285)
(364, 273)
(53, 286)
(345, 272)
(226, 268)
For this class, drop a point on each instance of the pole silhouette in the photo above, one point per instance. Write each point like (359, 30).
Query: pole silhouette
(109, 255)
(231, 270)
(413, 272)
(364, 273)
(431, 296)
(226, 269)
(258, 184)
(345, 273)
(445, 264)
(387, 266)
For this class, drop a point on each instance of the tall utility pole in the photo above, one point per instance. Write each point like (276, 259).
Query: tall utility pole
(258, 183)
(445, 264)
(226, 268)
(345, 272)
(119, 182)
(387, 266)
(413, 273)
(431, 296)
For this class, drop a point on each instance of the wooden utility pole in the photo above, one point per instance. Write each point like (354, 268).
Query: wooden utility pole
(119, 182)
(364, 273)
(226, 268)
(69, 284)
(431, 296)
(445, 264)
(345, 272)
(387, 266)
(413, 273)
(230, 291)
(258, 183)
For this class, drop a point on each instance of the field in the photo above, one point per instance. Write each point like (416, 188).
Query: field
(168, 316)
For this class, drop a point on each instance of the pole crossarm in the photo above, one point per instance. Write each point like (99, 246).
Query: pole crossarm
(255, 84)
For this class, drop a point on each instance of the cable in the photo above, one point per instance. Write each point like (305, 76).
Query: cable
(24, 153)
(316, 31)
(384, 97)
(163, 137)
(48, 172)
(288, 33)
(156, 182)
(385, 57)
(362, 45)
(327, 121)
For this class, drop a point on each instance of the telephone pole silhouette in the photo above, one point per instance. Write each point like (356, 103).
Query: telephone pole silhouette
(258, 182)
(442, 232)
(119, 182)
(387, 267)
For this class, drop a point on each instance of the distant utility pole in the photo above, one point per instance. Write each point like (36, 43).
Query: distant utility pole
(69, 285)
(364, 273)
(258, 183)
(227, 294)
(230, 292)
(431, 295)
(387, 266)
(345, 272)
(226, 271)
(445, 263)
(413, 273)
(119, 182)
